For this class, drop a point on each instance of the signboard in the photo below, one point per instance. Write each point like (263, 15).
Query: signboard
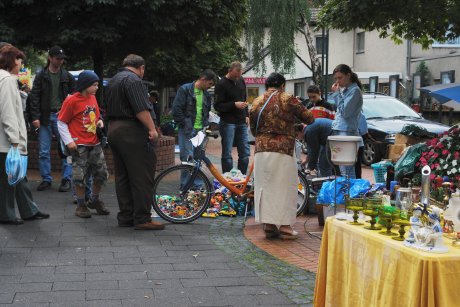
(252, 80)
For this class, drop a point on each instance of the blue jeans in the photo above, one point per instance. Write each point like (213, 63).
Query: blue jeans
(234, 134)
(45, 137)
(317, 159)
(186, 155)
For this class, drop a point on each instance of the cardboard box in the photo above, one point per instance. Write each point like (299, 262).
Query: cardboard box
(408, 140)
(395, 151)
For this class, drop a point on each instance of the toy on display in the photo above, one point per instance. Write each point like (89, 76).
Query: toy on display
(179, 207)
(415, 223)
(429, 237)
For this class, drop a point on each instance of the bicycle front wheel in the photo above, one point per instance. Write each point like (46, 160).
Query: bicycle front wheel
(178, 206)
(303, 192)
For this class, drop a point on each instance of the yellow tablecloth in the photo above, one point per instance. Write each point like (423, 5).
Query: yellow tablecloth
(360, 267)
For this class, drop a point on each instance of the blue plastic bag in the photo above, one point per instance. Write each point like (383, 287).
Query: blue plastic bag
(339, 186)
(15, 165)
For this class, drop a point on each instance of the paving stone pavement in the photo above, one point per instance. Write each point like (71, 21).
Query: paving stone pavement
(68, 261)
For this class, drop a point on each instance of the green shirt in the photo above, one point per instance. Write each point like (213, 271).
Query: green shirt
(55, 102)
(199, 109)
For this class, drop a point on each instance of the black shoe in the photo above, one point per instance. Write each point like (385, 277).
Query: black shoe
(13, 222)
(126, 224)
(38, 216)
(65, 186)
(44, 185)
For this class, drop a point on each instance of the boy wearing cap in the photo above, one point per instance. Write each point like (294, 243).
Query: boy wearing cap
(51, 86)
(77, 122)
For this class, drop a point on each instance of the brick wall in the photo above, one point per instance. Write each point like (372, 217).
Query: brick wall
(164, 151)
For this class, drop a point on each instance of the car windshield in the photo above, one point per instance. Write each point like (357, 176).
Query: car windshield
(387, 107)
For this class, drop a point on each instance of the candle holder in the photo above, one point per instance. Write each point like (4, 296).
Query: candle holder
(387, 214)
(356, 205)
(402, 223)
(371, 209)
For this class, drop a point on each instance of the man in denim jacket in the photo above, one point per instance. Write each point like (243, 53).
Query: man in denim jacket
(190, 110)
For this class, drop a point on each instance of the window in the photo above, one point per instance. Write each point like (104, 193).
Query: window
(299, 89)
(319, 44)
(251, 94)
(451, 43)
(360, 42)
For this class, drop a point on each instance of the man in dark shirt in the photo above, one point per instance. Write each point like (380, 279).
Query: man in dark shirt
(232, 107)
(131, 136)
(51, 86)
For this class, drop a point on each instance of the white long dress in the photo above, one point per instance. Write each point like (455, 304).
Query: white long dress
(275, 188)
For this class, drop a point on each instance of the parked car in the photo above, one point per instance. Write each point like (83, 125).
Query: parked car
(386, 116)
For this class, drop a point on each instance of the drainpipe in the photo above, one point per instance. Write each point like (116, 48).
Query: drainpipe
(408, 71)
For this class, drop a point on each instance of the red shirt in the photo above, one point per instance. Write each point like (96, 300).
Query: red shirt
(322, 112)
(81, 114)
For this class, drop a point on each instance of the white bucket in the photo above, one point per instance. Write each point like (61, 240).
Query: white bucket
(344, 149)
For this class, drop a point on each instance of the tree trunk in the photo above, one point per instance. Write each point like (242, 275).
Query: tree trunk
(315, 62)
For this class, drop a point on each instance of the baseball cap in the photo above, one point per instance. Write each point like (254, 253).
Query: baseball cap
(57, 51)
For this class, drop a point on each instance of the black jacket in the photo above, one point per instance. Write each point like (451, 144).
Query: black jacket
(39, 97)
(227, 92)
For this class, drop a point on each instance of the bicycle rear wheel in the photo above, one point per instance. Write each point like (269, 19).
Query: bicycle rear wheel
(175, 205)
(303, 192)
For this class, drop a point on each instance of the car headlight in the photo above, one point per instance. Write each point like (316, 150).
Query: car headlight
(390, 138)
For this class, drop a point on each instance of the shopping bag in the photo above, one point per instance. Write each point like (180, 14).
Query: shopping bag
(15, 165)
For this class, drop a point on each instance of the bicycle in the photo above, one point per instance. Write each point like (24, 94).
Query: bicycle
(183, 192)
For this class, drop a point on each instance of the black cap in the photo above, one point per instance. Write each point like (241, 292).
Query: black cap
(57, 51)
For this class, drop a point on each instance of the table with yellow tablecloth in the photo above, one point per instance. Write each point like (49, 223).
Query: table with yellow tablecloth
(360, 267)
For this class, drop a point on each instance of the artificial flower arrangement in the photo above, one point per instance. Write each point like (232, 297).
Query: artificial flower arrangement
(443, 156)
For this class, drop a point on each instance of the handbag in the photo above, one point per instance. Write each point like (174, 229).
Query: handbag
(262, 109)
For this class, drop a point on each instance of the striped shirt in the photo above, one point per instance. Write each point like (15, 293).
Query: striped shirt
(126, 95)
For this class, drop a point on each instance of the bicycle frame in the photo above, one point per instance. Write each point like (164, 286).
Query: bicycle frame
(231, 186)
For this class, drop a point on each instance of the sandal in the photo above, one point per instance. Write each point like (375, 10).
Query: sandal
(288, 235)
(271, 232)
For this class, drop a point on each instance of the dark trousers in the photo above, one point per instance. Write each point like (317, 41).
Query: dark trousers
(8, 194)
(134, 171)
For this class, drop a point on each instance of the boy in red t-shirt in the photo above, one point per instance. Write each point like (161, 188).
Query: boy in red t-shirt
(77, 123)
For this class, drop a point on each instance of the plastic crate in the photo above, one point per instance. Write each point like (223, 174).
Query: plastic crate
(380, 171)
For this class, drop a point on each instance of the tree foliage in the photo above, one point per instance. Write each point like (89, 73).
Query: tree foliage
(281, 20)
(419, 20)
(167, 33)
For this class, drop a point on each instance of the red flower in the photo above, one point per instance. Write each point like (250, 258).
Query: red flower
(445, 152)
(432, 176)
